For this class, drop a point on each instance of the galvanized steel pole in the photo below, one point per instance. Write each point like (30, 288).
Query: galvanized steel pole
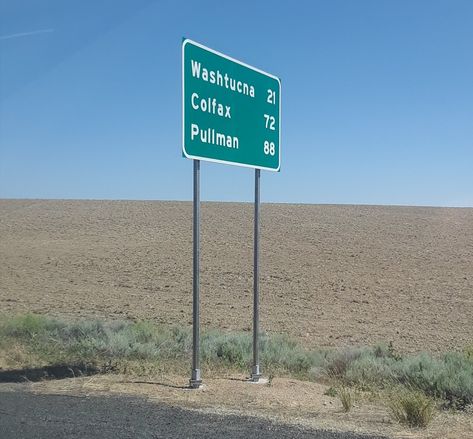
(196, 381)
(255, 370)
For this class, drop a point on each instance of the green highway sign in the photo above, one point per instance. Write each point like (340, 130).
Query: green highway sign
(231, 111)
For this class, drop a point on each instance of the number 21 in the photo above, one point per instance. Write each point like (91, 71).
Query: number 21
(271, 97)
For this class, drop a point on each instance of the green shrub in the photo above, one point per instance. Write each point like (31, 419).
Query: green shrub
(95, 341)
(449, 378)
(338, 362)
(280, 352)
(230, 349)
(368, 371)
(28, 326)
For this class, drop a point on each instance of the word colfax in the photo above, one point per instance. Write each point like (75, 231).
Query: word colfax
(210, 105)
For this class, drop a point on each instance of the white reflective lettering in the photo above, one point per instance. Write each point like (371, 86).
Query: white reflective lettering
(194, 130)
(194, 96)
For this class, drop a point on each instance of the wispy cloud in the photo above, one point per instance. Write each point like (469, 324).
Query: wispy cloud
(26, 34)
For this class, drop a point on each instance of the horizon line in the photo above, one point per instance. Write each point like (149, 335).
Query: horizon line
(149, 200)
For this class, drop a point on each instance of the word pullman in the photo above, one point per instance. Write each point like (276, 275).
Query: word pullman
(209, 135)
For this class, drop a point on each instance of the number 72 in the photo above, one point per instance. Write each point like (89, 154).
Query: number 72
(270, 122)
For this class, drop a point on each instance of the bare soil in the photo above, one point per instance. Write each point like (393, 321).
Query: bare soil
(330, 275)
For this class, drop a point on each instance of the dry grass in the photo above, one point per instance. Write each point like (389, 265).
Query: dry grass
(347, 397)
(411, 407)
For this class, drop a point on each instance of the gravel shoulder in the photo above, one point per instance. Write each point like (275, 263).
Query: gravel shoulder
(28, 415)
(297, 406)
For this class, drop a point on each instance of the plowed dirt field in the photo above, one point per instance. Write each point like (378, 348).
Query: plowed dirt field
(330, 275)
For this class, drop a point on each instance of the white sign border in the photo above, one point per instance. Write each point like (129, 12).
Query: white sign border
(186, 41)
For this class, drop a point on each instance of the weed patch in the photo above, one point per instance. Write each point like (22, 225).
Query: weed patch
(410, 407)
(347, 397)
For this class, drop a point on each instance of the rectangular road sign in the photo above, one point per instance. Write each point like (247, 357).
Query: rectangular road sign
(231, 111)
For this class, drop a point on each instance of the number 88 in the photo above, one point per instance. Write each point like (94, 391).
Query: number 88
(269, 148)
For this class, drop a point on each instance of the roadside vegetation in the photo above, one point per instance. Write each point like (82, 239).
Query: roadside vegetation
(412, 387)
(411, 407)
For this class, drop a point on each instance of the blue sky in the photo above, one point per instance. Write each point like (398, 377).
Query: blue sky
(377, 99)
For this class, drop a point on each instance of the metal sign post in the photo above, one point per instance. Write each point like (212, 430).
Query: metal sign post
(255, 370)
(196, 380)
